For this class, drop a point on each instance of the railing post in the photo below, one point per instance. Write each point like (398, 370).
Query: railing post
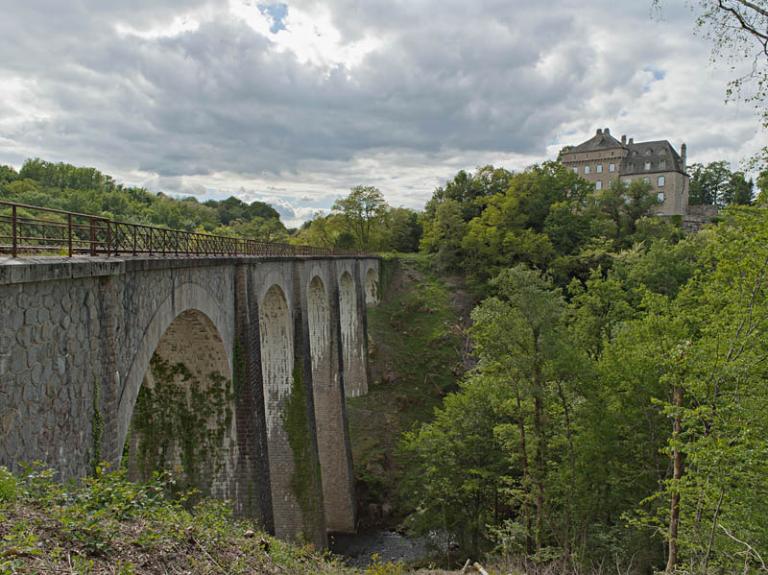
(109, 239)
(14, 233)
(135, 231)
(69, 234)
(93, 235)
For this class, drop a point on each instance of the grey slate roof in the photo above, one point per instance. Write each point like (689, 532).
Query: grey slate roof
(600, 141)
(654, 152)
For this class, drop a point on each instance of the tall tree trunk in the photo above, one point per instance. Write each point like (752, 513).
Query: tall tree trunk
(677, 473)
(526, 474)
(572, 461)
(538, 429)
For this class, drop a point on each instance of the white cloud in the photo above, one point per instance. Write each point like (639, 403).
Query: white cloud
(298, 103)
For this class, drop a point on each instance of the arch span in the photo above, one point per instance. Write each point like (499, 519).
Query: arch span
(183, 421)
(187, 296)
(372, 286)
(352, 344)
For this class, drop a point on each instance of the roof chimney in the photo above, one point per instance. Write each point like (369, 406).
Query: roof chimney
(623, 139)
(684, 154)
(631, 141)
(599, 132)
(607, 132)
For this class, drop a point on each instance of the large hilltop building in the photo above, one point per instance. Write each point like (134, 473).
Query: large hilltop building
(603, 159)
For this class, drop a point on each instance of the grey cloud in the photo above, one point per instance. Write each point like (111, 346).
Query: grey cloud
(452, 84)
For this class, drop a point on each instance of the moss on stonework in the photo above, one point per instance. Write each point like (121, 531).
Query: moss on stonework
(180, 424)
(306, 470)
(97, 427)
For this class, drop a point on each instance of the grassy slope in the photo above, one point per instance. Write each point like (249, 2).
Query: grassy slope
(111, 525)
(416, 355)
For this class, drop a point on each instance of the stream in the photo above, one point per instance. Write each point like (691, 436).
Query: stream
(388, 545)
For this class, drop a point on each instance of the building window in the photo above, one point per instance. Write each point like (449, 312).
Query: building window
(646, 180)
(611, 167)
(586, 169)
(575, 169)
(663, 164)
(648, 152)
(660, 182)
(660, 196)
(647, 166)
(599, 168)
(599, 185)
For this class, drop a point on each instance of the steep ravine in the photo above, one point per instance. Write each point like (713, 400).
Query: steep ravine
(418, 352)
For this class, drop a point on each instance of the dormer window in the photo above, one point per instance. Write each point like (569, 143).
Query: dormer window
(647, 166)
(662, 164)
(648, 152)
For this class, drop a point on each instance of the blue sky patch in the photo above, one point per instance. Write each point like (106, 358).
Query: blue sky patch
(277, 12)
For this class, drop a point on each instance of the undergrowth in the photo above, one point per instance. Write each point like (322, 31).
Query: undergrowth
(107, 524)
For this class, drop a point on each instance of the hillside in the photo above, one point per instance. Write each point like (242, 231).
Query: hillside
(416, 355)
(86, 190)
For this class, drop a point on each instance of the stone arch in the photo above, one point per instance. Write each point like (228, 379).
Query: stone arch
(351, 337)
(183, 420)
(319, 319)
(372, 293)
(187, 296)
(276, 332)
(277, 365)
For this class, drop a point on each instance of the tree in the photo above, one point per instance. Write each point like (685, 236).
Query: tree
(709, 184)
(738, 30)
(740, 191)
(403, 230)
(7, 174)
(362, 210)
(443, 235)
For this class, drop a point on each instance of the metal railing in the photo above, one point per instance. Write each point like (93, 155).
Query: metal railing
(26, 229)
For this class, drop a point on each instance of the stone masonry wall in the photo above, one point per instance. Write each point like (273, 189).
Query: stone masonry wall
(76, 339)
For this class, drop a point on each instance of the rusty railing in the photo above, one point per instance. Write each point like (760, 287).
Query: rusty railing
(28, 229)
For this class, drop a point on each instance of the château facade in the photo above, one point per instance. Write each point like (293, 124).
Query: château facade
(603, 159)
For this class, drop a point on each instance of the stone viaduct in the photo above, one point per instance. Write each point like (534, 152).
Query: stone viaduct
(232, 371)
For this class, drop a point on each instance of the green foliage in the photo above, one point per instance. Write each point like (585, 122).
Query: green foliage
(8, 487)
(86, 190)
(179, 425)
(363, 221)
(716, 185)
(362, 211)
(546, 217)
(377, 567)
(443, 235)
(107, 524)
(559, 446)
(415, 355)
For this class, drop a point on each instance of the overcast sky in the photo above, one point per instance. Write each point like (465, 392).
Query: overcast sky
(293, 103)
